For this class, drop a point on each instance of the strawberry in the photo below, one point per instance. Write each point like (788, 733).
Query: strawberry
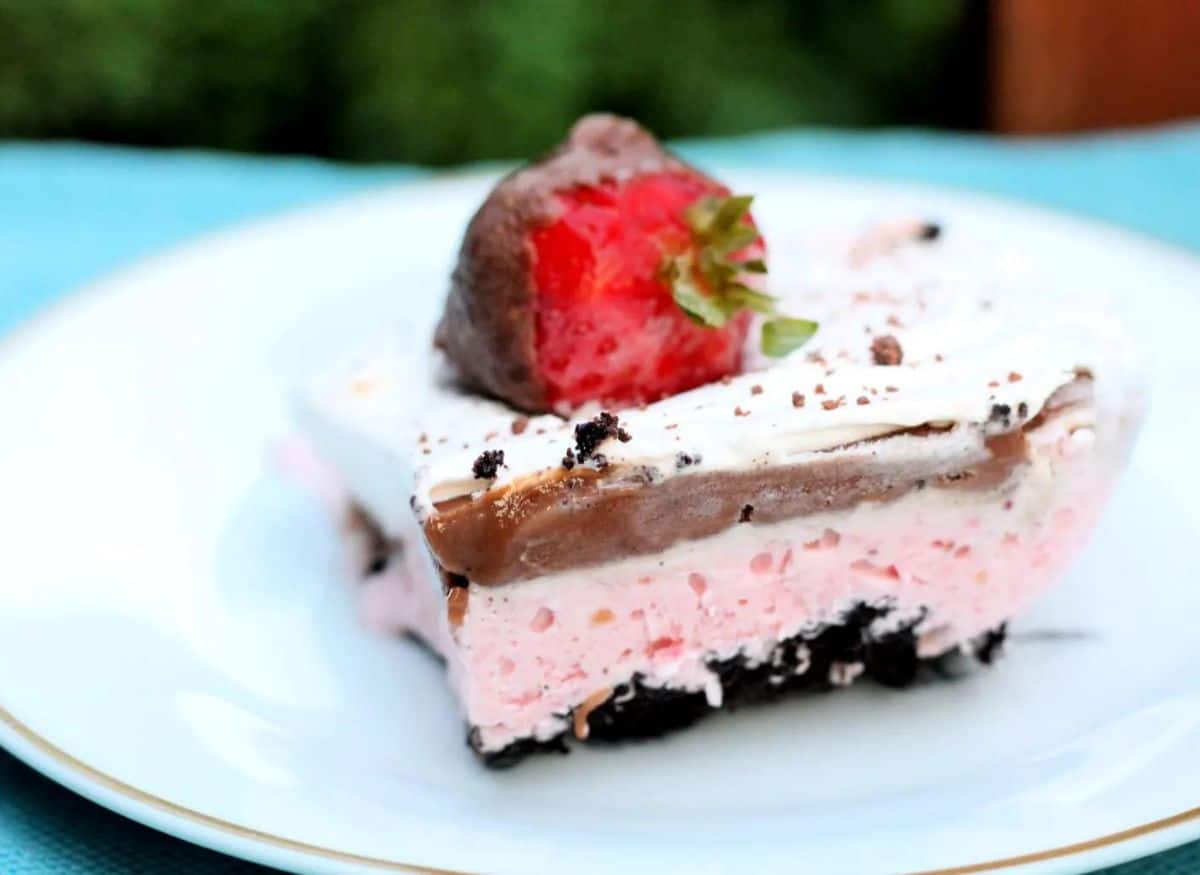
(609, 271)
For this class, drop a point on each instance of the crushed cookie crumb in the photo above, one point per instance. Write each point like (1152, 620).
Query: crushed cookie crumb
(929, 232)
(738, 411)
(520, 424)
(423, 439)
(819, 389)
(672, 426)
(491, 436)
(1022, 410)
(540, 431)
(886, 350)
(893, 321)
(756, 389)
(797, 399)
(686, 460)
(834, 403)
(862, 399)
(891, 388)
(747, 513)
(938, 357)
(568, 460)
(1014, 377)
(589, 435)
(992, 384)
(488, 464)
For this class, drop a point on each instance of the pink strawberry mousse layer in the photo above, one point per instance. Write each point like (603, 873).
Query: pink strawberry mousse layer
(958, 562)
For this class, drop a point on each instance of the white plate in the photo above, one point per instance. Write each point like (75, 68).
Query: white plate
(175, 641)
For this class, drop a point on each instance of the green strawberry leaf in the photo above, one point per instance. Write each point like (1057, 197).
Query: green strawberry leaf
(744, 297)
(699, 307)
(730, 211)
(706, 281)
(783, 335)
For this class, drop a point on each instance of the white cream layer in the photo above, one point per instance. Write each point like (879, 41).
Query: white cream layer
(975, 334)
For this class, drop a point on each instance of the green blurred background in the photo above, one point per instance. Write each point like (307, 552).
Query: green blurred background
(446, 81)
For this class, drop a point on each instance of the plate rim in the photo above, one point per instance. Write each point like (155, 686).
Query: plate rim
(270, 849)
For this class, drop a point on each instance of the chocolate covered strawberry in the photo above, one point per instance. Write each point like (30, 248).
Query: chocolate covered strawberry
(608, 271)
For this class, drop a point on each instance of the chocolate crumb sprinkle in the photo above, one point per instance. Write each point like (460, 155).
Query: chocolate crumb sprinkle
(686, 460)
(756, 390)
(589, 435)
(886, 350)
(488, 464)
(520, 424)
(1022, 410)
(797, 399)
(747, 513)
(568, 460)
(930, 231)
(738, 411)
(834, 403)
(1014, 377)
(862, 399)
(820, 389)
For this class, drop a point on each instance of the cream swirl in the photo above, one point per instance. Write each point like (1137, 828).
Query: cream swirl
(984, 343)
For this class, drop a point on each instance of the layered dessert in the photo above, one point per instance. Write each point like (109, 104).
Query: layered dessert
(627, 485)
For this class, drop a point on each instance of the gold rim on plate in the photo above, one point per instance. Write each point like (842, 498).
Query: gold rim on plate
(114, 785)
(83, 772)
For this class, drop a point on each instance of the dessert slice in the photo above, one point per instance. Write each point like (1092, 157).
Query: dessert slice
(635, 527)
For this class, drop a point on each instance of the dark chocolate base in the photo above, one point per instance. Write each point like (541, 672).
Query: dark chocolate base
(637, 711)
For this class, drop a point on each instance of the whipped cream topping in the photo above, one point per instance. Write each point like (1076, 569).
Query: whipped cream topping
(984, 343)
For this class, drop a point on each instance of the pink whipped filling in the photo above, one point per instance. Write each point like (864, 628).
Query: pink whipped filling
(524, 655)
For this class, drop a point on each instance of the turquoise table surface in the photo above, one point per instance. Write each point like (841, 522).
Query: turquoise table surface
(70, 213)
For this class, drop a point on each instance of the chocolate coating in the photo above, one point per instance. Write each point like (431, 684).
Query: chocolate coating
(586, 517)
(487, 328)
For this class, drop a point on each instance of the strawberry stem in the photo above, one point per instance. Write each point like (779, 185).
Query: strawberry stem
(720, 228)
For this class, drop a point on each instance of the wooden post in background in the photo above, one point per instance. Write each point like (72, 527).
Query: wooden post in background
(1068, 65)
